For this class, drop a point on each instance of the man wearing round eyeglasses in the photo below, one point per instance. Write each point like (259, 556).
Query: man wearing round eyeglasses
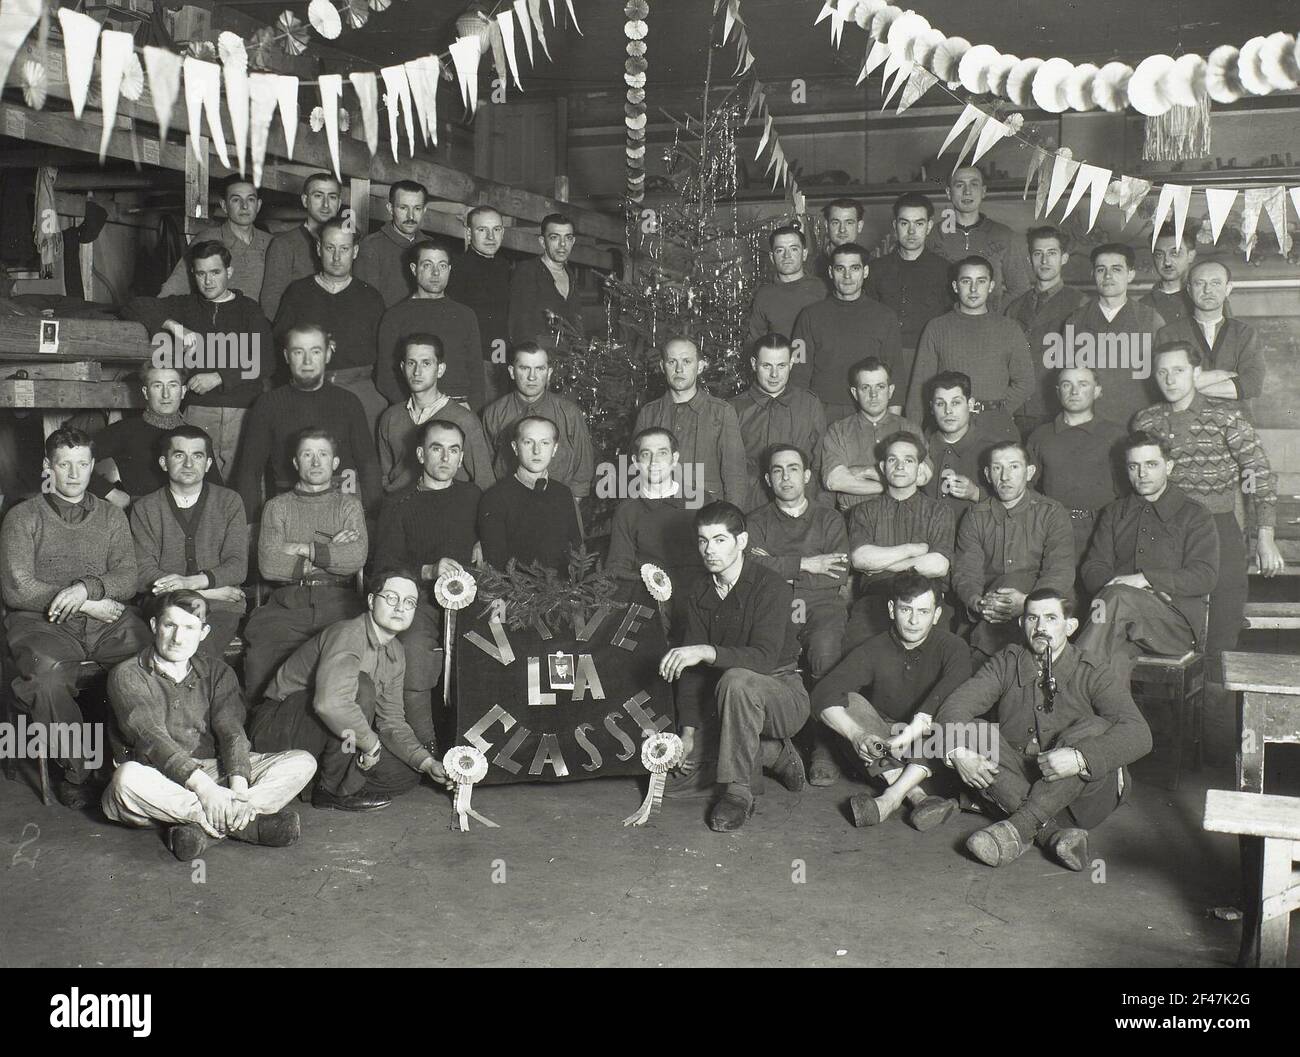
(430, 311)
(546, 284)
(339, 697)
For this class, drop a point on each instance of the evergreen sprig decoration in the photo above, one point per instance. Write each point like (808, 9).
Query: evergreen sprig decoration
(524, 594)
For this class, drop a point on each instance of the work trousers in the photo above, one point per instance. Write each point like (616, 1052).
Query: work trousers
(422, 644)
(1126, 621)
(822, 631)
(752, 707)
(292, 616)
(1228, 599)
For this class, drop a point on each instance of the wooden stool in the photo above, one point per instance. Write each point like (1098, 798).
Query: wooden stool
(1180, 681)
(1277, 820)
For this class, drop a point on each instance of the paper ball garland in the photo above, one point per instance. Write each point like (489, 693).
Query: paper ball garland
(1079, 87)
(948, 56)
(1110, 86)
(1221, 79)
(1048, 89)
(1185, 81)
(1020, 81)
(1278, 61)
(973, 70)
(1249, 67)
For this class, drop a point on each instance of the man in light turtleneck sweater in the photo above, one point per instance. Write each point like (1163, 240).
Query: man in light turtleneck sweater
(68, 570)
(312, 540)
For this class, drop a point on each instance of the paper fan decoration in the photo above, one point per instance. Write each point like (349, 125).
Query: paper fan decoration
(36, 83)
(975, 66)
(1250, 68)
(1000, 71)
(317, 119)
(345, 120)
(1279, 62)
(133, 79)
(1079, 86)
(324, 19)
(259, 47)
(947, 58)
(882, 20)
(231, 51)
(924, 46)
(1110, 86)
(1048, 89)
(1020, 81)
(293, 35)
(380, 5)
(357, 12)
(1146, 90)
(1221, 78)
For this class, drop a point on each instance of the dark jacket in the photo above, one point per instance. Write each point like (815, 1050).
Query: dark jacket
(532, 292)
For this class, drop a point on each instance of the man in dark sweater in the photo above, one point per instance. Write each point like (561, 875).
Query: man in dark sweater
(127, 452)
(777, 304)
(382, 256)
(957, 447)
(223, 342)
(911, 280)
(279, 416)
(480, 280)
(882, 698)
(832, 335)
(1173, 261)
(68, 570)
(740, 691)
(527, 516)
(292, 254)
(430, 311)
(349, 310)
(844, 220)
(1060, 745)
(544, 284)
(192, 536)
(656, 522)
(430, 528)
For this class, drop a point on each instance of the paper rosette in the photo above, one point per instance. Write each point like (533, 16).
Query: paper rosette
(465, 765)
(293, 34)
(660, 753)
(452, 591)
(357, 13)
(36, 84)
(657, 582)
(324, 19)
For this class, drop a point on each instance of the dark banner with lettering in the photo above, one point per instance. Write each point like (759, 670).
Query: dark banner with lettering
(559, 704)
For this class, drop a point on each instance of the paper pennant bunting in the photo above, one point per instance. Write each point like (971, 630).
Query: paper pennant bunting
(1132, 192)
(235, 76)
(465, 54)
(1100, 180)
(525, 26)
(1082, 182)
(893, 64)
(920, 82)
(1253, 202)
(17, 17)
(263, 94)
(877, 54)
(1179, 197)
(287, 92)
(757, 99)
(1294, 192)
(994, 131)
(331, 90)
(535, 11)
(972, 137)
(730, 19)
(164, 70)
(506, 20)
(366, 85)
(115, 49)
(1036, 158)
(80, 36)
(965, 118)
(1044, 185)
(900, 78)
(767, 131)
(1063, 169)
(572, 17)
(397, 90)
(497, 44)
(551, 3)
(827, 10)
(1219, 202)
(1275, 208)
(423, 74)
(203, 96)
(837, 23)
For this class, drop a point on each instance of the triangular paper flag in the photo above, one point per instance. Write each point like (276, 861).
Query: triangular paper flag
(237, 104)
(1253, 203)
(80, 35)
(1036, 158)
(1275, 207)
(366, 86)
(164, 70)
(800, 202)
(287, 92)
(17, 17)
(525, 26)
(497, 43)
(535, 11)
(1100, 179)
(767, 131)
(263, 91)
(114, 52)
(729, 20)
(892, 65)
(397, 90)
(506, 20)
(920, 82)
(1044, 185)
(746, 61)
(423, 74)
(965, 118)
(552, 6)
(1178, 197)
(879, 53)
(757, 97)
(572, 17)
(900, 79)
(837, 20)
(1294, 192)
(203, 96)
(1063, 170)
(827, 10)
(331, 90)
(1218, 203)
(1132, 192)
(465, 53)
(972, 137)
(1081, 184)
(994, 131)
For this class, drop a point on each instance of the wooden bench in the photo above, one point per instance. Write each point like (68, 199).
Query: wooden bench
(1272, 616)
(1275, 819)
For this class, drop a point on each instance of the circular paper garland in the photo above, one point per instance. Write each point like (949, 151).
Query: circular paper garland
(634, 111)
(455, 590)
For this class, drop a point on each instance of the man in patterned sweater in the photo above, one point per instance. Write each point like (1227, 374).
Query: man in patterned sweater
(68, 569)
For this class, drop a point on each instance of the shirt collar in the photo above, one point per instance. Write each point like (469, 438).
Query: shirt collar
(396, 237)
(760, 397)
(149, 662)
(372, 638)
(1170, 502)
(732, 584)
(1062, 669)
(803, 509)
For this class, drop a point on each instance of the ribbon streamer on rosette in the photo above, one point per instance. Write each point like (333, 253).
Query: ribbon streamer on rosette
(452, 591)
(465, 765)
(660, 586)
(660, 753)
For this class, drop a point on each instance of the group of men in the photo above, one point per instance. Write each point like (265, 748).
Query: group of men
(902, 514)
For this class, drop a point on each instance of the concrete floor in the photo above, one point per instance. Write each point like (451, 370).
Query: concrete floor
(399, 888)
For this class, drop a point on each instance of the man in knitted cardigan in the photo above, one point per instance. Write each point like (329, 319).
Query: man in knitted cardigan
(68, 570)
(313, 541)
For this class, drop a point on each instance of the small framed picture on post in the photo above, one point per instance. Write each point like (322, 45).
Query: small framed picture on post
(49, 336)
(561, 670)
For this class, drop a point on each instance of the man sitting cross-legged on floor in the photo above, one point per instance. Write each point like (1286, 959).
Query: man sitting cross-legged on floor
(1045, 745)
(178, 739)
(339, 697)
(430, 529)
(883, 695)
(740, 692)
(313, 541)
